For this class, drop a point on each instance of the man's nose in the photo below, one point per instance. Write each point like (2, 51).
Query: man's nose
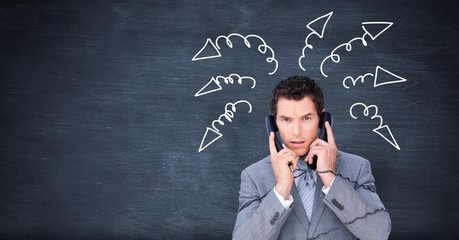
(296, 128)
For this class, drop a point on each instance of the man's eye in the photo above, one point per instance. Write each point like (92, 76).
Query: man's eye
(286, 120)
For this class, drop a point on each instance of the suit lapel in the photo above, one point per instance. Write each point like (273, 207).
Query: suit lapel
(318, 208)
(298, 208)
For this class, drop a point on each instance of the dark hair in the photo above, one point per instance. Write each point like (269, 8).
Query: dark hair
(296, 88)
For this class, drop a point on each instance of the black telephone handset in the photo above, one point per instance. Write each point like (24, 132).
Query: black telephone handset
(271, 127)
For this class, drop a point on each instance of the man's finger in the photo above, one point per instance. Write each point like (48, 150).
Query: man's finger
(272, 144)
(330, 137)
(294, 163)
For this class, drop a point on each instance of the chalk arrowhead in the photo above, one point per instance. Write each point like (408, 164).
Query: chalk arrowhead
(210, 51)
(383, 77)
(374, 29)
(216, 135)
(386, 131)
(320, 24)
(209, 84)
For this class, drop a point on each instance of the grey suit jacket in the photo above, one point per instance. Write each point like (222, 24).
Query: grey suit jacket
(351, 209)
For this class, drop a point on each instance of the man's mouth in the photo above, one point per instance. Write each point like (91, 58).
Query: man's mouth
(297, 143)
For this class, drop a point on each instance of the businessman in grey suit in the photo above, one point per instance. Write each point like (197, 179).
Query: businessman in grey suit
(342, 202)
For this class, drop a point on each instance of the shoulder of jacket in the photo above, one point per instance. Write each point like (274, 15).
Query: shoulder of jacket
(259, 165)
(349, 158)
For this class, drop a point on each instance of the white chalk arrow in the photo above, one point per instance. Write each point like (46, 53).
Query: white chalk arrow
(203, 146)
(392, 140)
(374, 29)
(384, 77)
(215, 54)
(215, 88)
(322, 24)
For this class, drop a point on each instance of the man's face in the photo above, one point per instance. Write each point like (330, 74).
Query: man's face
(298, 122)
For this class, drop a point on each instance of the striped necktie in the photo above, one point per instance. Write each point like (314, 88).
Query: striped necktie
(306, 185)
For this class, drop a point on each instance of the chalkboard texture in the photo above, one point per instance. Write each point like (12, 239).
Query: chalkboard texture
(134, 119)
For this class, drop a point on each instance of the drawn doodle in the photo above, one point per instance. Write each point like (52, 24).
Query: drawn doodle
(376, 30)
(214, 84)
(380, 78)
(382, 130)
(314, 32)
(228, 115)
(262, 48)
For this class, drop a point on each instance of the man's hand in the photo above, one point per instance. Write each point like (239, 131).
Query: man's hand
(281, 162)
(326, 156)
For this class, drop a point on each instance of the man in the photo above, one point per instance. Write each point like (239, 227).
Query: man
(273, 198)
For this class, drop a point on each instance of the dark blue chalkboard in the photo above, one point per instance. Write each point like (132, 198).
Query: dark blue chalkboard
(134, 119)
